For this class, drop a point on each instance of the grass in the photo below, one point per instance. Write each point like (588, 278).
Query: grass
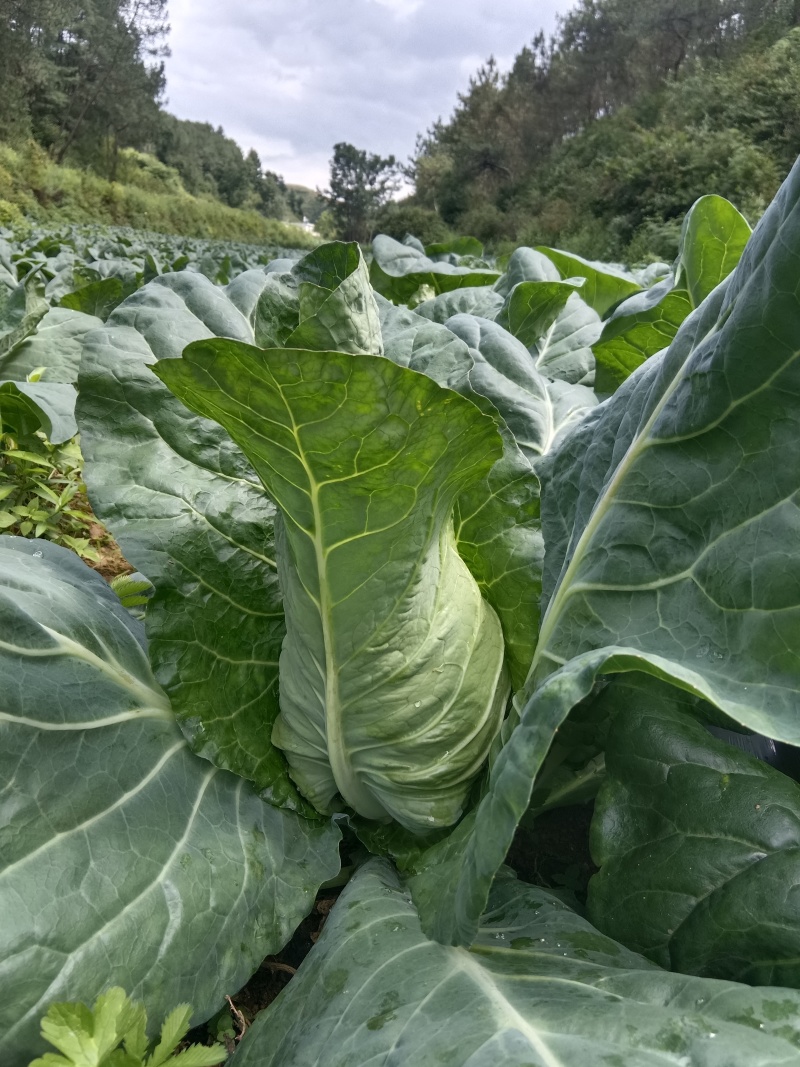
(33, 187)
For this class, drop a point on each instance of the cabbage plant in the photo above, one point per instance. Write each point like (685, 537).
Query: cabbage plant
(413, 584)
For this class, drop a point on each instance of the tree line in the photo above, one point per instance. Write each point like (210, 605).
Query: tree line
(84, 79)
(600, 138)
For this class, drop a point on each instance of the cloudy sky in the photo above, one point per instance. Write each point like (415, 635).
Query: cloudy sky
(290, 78)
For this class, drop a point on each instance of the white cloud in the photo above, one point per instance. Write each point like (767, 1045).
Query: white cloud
(290, 78)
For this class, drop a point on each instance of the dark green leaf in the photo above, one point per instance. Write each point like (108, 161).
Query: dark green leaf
(98, 298)
(699, 849)
(124, 859)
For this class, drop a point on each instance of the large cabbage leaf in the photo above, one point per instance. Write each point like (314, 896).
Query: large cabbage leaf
(392, 680)
(713, 238)
(670, 516)
(539, 987)
(190, 513)
(699, 849)
(124, 858)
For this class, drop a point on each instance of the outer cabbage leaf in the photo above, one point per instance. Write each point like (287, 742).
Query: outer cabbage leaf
(190, 513)
(538, 411)
(539, 987)
(712, 241)
(640, 327)
(531, 308)
(124, 859)
(604, 284)
(671, 522)
(392, 681)
(526, 265)
(97, 298)
(56, 345)
(479, 300)
(27, 407)
(699, 849)
(564, 351)
(398, 271)
(21, 310)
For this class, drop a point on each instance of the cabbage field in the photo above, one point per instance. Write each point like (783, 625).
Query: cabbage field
(438, 555)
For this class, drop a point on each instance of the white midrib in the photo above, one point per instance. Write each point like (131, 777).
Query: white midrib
(504, 1011)
(346, 782)
(146, 695)
(564, 591)
(551, 422)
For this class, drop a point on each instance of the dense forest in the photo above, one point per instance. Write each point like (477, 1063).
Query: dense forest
(600, 139)
(84, 80)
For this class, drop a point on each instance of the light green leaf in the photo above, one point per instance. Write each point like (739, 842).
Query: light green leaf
(540, 986)
(712, 241)
(190, 513)
(604, 284)
(173, 1030)
(324, 302)
(531, 308)
(365, 460)
(699, 849)
(497, 521)
(397, 271)
(198, 1056)
(479, 300)
(713, 238)
(26, 407)
(56, 346)
(124, 859)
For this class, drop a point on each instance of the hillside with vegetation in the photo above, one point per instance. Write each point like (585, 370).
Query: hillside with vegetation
(84, 135)
(601, 138)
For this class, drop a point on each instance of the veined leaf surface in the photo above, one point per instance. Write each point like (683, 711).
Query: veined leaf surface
(124, 858)
(670, 516)
(539, 987)
(699, 850)
(497, 521)
(392, 681)
(189, 512)
(604, 285)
